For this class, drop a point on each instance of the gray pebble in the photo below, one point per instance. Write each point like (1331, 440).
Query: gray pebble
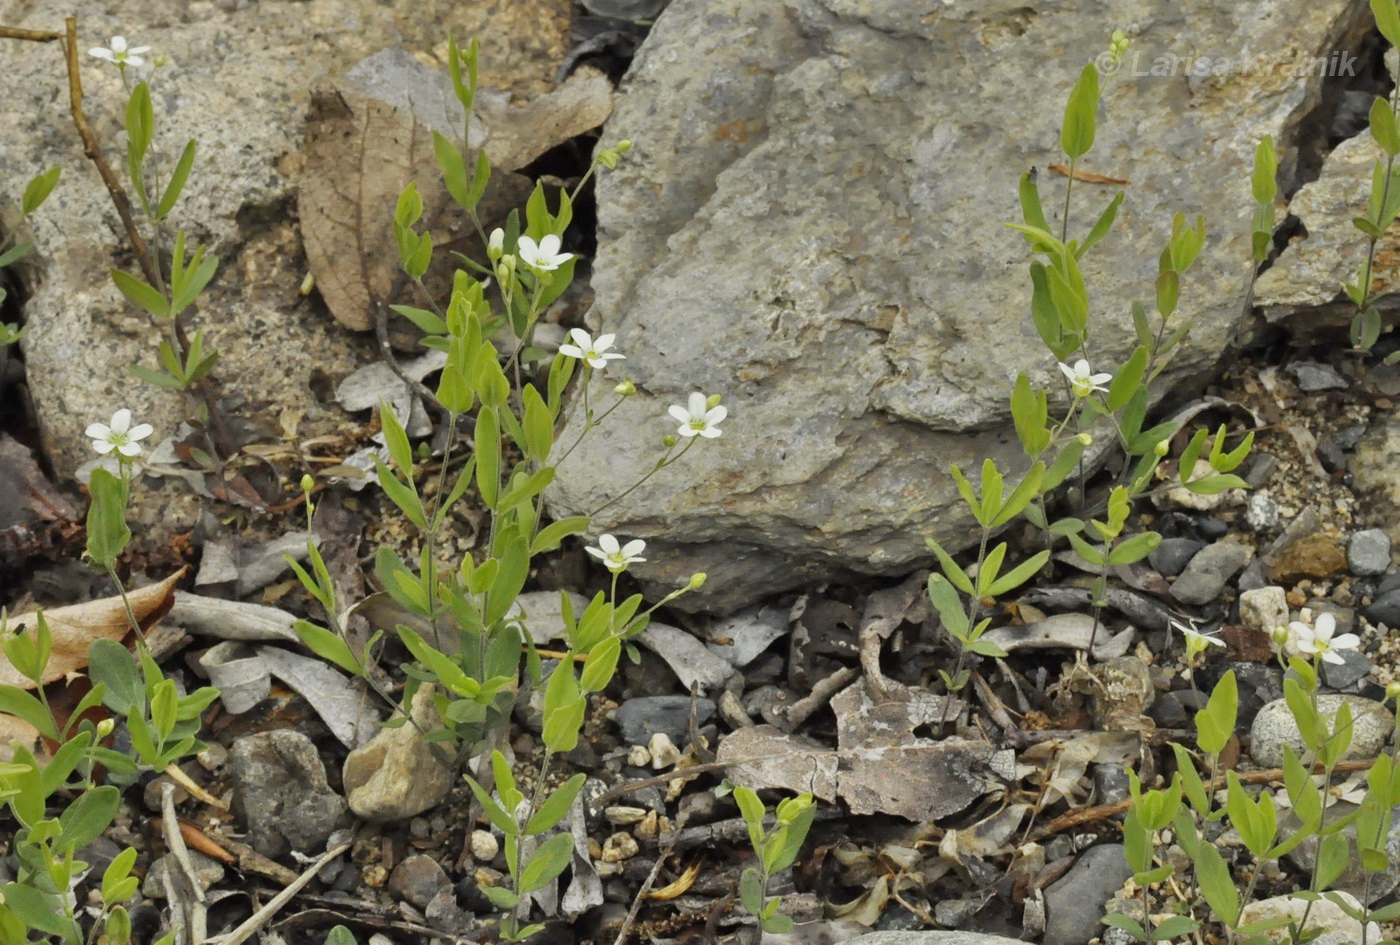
(1261, 512)
(1075, 903)
(1347, 675)
(1261, 469)
(1275, 727)
(1368, 552)
(1385, 609)
(1313, 376)
(1207, 573)
(642, 717)
(1171, 556)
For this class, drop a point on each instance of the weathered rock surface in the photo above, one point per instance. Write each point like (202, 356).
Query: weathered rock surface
(396, 775)
(810, 224)
(240, 81)
(281, 793)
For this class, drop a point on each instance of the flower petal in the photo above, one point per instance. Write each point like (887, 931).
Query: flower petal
(549, 244)
(121, 421)
(129, 449)
(609, 544)
(140, 431)
(697, 404)
(633, 547)
(716, 415)
(98, 431)
(595, 552)
(104, 446)
(675, 410)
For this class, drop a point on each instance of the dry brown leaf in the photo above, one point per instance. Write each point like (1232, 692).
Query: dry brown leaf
(1088, 177)
(74, 628)
(371, 134)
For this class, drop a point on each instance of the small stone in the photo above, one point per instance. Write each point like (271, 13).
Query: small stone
(664, 753)
(281, 793)
(1368, 552)
(213, 757)
(374, 875)
(1261, 512)
(1075, 902)
(639, 718)
(1346, 675)
(1385, 609)
(417, 879)
(1261, 469)
(1275, 727)
(1318, 555)
(1208, 571)
(624, 815)
(1336, 926)
(396, 775)
(484, 846)
(650, 825)
(1264, 609)
(638, 756)
(619, 847)
(207, 872)
(1314, 376)
(1173, 554)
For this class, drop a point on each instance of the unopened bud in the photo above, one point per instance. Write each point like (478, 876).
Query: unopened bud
(1392, 692)
(712, 401)
(698, 579)
(308, 283)
(1279, 635)
(496, 245)
(307, 483)
(669, 440)
(625, 389)
(1161, 449)
(1085, 439)
(160, 60)
(623, 146)
(105, 727)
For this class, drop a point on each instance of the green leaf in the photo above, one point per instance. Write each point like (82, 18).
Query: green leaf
(974, 504)
(1031, 210)
(554, 533)
(951, 570)
(525, 490)
(494, 811)
(1101, 226)
(89, 816)
(427, 322)
(949, 606)
(1332, 856)
(38, 190)
(113, 667)
(1134, 549)
(547, 862)
(1128, 379)
(1028, 411)
(1064, 464)
(1216, 722)
(556, 806)
(17, 252)
(114, 878)
(1127, 923)
(777, 924)
(1387, 20)
(38, 911)
(600, 666)
(500, 897)
(402, 495)
(454, 170)
(1217, 884)
(1077, 133)
(15, 701)
(329, 646)
(1019, 575)
(1174, 927)
(340, 935)
(178, 177)
(106, 520)
(488, 456)
(561, 727)
(1022, 496)
(1086, 551)
(141, 294)
(539, 425)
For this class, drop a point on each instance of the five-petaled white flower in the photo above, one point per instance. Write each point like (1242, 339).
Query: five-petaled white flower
(119, 54)
(543, 256)
(615, 556)
(696, 420)
(1318, 640)
(596, 353)
(119, 435)
(1083, 379)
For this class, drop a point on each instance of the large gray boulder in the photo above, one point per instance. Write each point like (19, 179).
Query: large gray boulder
(240, 80)
(810, 224)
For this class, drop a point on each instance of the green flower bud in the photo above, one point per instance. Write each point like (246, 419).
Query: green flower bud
(1085, 439)
(1392, 692)
(1161, 449)
(623, 146)
(698, 579)
(712, 401)
(307, 483)
(626, 388)
(669, 441)
(105, 727)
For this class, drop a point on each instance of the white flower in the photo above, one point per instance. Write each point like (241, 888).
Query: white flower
(496, 243)
(1317, 640)
(119, 54)
(543, 256)
(617, 557)
(596, 353)
(1083, 379)
(1196, 642)
(696, 420)
(119, 435)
